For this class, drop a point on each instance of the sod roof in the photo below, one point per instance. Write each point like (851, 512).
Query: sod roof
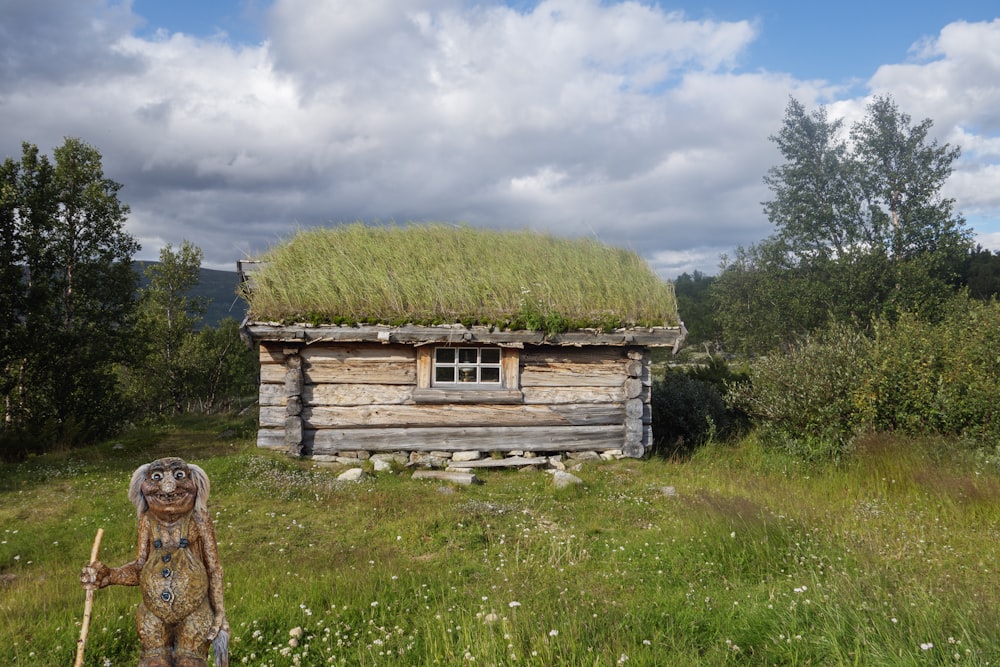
(434, 274)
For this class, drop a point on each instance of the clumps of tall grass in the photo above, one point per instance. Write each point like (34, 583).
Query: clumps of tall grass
(430, 274)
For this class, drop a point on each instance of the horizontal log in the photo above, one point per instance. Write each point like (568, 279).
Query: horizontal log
(451, 334)
(581, 394)
(272, 394)
(466, 478)
(573, 375)
(505, 462)
(467, 396)
(473, 415)
(575, 355)
(323, 354)
(363, 372)
(339, 394)
(271, 353)
(501, 438)
(271, 438)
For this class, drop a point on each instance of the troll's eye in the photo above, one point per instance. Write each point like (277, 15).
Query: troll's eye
(156, 476)
(179, 474)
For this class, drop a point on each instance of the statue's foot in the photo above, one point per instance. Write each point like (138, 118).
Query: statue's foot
(191, 662)
(154, 661)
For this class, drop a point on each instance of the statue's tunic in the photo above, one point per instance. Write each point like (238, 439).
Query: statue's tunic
(174, 581)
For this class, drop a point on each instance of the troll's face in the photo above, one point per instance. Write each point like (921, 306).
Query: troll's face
(169, 487)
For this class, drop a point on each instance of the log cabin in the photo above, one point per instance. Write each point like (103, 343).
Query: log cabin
(439, 340)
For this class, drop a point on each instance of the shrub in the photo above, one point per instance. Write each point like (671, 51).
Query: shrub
(689, 408)
(910, 376)
(806, 398)
(937, 378)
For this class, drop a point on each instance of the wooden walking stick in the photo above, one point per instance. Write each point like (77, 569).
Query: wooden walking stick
(88, 607)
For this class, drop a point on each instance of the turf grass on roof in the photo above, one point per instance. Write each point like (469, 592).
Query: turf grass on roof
(430, 274)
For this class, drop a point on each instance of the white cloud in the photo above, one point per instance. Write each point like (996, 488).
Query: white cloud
(618, 120)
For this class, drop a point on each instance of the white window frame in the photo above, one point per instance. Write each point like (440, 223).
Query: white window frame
(506, 390)
(465, 368)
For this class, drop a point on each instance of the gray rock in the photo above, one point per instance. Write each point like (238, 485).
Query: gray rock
(352, 475)
(561, 479)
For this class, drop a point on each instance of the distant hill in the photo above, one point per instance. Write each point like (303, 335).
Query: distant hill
(219, 287)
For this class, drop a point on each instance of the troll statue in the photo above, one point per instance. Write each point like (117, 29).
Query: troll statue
(176, 568)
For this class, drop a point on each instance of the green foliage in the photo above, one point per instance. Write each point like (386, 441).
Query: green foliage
(435, 274)
(861, 231)
(695, 305)
(752, 558)
(940, 377)
(689, 408)
(224, 369)
(168, 317)
(911, 375)
(805, 399)
(67, 296)
(182, 366)
(981, 273)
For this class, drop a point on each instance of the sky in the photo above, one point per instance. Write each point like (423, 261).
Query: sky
(233, 123)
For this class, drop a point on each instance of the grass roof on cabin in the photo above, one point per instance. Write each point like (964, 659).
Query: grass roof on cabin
(428, 274)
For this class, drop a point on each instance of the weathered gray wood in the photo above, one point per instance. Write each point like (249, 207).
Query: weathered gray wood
(271, 438)
(272, 373)
(473, 415)
(293, 376)
(378, 416)
(317, 355)
(633, 387)
(293, 440)
(272, 394)
(271, 353)
(545, 354)
(582, 394)
(446, 476)
(502, 438)
(634, 408)
(357, 394)
(363, 372)
(452, 396)
(300, 333)
(573, 375)
(505, 462)
(633, 449)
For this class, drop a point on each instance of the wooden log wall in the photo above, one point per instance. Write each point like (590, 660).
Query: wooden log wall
(319, 399)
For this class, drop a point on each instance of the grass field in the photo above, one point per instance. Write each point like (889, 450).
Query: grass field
(734, 557)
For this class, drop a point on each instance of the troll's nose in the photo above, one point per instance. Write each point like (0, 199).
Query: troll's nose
(168, 485)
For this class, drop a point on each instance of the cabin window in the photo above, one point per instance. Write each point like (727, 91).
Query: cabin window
(466, 366)
(467, 374)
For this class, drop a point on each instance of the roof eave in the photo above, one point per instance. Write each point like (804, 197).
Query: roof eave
(458, 334)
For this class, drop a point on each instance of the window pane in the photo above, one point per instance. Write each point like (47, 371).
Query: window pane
(467, 355)
(489, 374)
(467, 374)
(491, 355)
(444, 374)
(444, 355)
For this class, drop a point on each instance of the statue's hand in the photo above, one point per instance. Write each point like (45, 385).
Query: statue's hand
(217, 625)
(95, 575)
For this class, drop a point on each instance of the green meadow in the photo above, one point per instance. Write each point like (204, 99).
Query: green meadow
(736, 556)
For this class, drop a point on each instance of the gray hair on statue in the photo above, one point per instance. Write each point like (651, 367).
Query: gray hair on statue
(139, 500)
